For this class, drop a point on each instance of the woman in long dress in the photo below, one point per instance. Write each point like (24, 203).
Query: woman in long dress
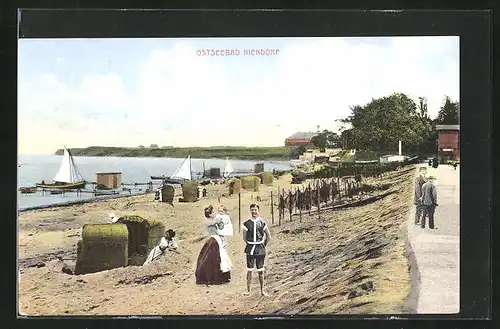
(214, 265)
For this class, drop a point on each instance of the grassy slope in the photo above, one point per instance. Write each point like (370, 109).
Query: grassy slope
(351, 261)
(282, 153)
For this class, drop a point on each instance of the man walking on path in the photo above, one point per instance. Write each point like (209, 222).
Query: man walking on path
(436, 261)
(256, 236)
(429, 200)
(417, 194)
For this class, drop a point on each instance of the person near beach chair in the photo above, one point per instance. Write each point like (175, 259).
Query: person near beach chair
(417, 194)
(256, 236)
(214, 265)
(166, 242)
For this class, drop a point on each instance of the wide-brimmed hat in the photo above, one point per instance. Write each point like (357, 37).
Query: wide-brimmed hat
(431, 177)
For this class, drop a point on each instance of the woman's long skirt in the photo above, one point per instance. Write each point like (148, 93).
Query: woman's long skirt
(208, 267)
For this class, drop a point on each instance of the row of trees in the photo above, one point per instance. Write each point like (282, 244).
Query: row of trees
(381, 123)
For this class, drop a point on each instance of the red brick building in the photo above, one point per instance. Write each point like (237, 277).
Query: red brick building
(448, 142)
(300, 138)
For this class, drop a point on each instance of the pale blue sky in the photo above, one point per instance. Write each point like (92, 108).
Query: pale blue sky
(128, 92)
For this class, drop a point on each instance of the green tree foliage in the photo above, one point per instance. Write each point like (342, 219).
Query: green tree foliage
(348, 140)
(153, 146)
(380, 124)
(449, 114)
(326, 139)
(428, 145)
(297, 151)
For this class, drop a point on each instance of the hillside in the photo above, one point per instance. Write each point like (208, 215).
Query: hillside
(214, 152)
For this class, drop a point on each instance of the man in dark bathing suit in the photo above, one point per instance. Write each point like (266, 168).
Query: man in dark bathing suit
(256, 236)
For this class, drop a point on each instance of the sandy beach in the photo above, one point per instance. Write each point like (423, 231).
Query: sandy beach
(348, 261)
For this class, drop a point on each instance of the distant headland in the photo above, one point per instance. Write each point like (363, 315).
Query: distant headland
(213, 152)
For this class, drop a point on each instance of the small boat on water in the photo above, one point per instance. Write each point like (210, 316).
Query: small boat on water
(28, 190)
(68, 176)
(184, 172)
(167, 179)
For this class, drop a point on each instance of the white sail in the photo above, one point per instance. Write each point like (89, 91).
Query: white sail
(184, 171)
(228, 169)
(67, 173)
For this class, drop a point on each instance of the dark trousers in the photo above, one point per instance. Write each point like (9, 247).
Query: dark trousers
(419, 210)
(428, 213)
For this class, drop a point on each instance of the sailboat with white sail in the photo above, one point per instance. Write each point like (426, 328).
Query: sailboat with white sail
(228, 169)
(184, 172)
(68, 176)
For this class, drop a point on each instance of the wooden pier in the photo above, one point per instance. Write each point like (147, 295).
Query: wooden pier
(96, 191)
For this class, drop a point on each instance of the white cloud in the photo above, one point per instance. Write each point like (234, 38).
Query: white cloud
(188, 100)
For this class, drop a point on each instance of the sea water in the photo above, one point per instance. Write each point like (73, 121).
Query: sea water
(33, 169)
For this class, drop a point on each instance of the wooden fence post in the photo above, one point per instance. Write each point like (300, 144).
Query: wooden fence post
(300, 197)
(279, 206)
(239, 212)
(280, 210)
(272, 208)
(310, 199)
(339, 187)
(318, 201)
(331, 192)
(283, 212)
(290, 204)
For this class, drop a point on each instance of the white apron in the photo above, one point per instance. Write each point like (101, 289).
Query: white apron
(225, 262)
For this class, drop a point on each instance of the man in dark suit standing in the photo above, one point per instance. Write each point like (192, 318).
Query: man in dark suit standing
(417, 194)
(429, 201)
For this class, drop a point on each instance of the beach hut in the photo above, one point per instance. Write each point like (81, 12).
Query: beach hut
(109, 180)
(214, 173)
(143, 235)
(103, 247)
(258, 168)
